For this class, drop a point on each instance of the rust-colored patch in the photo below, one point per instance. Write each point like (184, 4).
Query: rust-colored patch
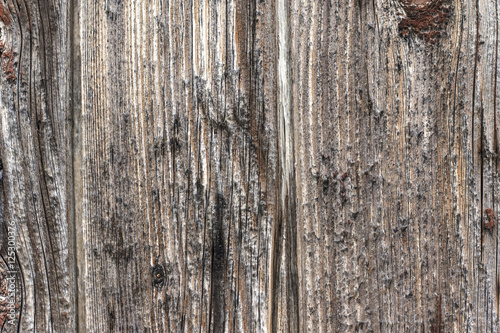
(8, 63)
(425, 19)
(491, 219)
(6, 54)
(4, 14)
(344, 176)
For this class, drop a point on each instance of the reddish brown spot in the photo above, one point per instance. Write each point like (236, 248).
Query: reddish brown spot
(8, 63)
(7, 56)
(4, 14)
(425, 18)
(491, 219)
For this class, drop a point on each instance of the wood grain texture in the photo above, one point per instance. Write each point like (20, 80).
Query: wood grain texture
(395, 138)
(290, 165)
(250, 166)
(179, 164)
(35, 140)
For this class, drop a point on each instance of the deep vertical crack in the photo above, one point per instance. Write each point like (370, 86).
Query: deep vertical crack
(74, 164)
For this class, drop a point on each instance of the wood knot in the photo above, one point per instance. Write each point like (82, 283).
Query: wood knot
(158, 273)
(490, 223)
(426, 19)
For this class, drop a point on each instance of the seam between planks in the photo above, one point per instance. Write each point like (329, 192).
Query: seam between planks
(75, 180)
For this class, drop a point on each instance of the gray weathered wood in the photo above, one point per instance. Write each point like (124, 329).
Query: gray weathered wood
(395, 137)
(35, 147)
(179, 165)
(251, 166)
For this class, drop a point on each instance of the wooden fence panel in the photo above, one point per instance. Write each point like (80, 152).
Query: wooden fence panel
(249, 166)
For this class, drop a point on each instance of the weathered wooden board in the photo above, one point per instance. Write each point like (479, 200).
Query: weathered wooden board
(250, 166)
(35, 148)
(395, 125)
(179, 164)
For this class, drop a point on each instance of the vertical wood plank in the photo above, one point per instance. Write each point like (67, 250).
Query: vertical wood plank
(395, 141)
(35, 141)
(179, 162)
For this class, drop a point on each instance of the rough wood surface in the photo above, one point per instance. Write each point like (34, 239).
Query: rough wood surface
(35, 148)
(395, 138)
(251, 166)
(180, 159)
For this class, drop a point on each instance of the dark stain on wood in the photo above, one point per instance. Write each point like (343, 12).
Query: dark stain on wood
(497, 293)
(425, 19)
(217, 306)
(112, 318)
(436, 328)
(175, 141)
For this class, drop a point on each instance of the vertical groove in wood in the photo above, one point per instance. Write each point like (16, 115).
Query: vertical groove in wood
(75, 164)
(284, 304)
